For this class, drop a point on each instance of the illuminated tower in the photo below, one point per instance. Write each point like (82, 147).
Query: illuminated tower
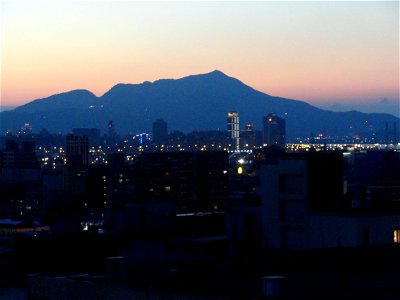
(233, 127)
(274, 130)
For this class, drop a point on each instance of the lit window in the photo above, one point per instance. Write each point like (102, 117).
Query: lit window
(240, 170)
(396, 236)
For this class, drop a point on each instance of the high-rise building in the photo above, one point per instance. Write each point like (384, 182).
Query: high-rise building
(274, 130)
(18, 154)
(112, 138)
(249, 127)
(233, 127)
(248, 137)
(160, 131)
(77, 152)
(93, 134)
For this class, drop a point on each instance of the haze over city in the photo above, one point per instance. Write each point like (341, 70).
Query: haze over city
(336, 55)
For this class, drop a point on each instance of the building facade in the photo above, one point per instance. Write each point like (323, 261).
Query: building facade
(77, 151)
(233, 127)
(248, 137)
(160, 131)
(303, 206)
(274, 130)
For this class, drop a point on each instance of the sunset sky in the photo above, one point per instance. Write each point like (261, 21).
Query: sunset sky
(326, 53)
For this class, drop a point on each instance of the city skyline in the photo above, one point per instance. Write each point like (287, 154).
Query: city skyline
(341, 55)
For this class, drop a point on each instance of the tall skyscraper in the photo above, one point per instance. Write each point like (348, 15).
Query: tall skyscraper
(249, 127)
(77, 152)
(274, 130)
(93, 134)
(248, 137)
(233, 127)
(160, 131)
(112, 138)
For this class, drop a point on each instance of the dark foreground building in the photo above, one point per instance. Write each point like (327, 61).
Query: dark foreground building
(194, 181)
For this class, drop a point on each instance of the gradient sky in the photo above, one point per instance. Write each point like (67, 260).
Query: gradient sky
(325, 53)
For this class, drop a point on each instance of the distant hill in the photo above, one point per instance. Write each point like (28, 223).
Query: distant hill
(4, 108)
(197, 102)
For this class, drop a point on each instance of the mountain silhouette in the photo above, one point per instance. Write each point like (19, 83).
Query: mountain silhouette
(196, 102)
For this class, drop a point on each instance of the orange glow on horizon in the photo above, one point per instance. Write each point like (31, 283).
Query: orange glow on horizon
(311, 51)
